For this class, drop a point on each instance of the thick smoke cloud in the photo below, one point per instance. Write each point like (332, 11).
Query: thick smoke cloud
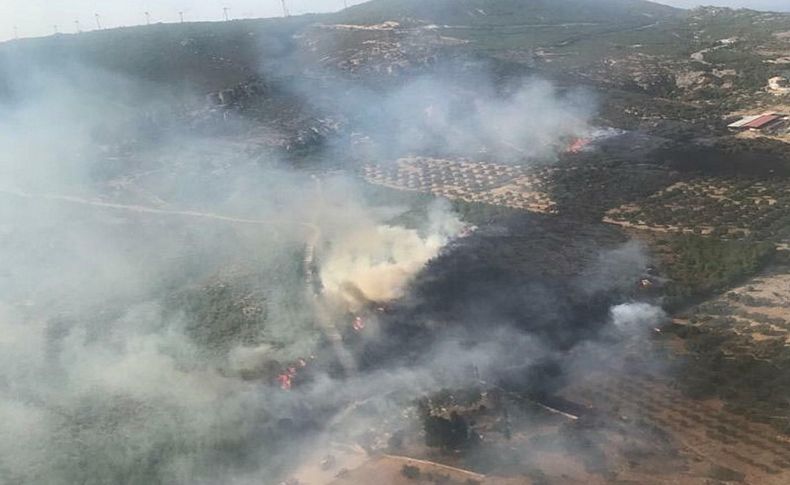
(108, 372)
(376, 263)
(531, 120)
(455, 111)
(155, 288)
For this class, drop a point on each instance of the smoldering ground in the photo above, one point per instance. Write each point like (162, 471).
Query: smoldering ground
(152, 293)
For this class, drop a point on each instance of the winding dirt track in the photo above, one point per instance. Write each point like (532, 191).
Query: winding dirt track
(315, 230)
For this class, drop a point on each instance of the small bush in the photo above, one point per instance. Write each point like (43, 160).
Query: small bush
(410, 472)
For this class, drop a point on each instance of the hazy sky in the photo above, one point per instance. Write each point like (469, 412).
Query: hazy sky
(38, 17)
(775, 5)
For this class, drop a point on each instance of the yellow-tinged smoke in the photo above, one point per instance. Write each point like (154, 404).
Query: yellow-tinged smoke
(377, 263)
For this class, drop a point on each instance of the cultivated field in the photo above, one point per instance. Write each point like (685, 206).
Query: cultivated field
(506, 185)
(725, 207)
(758, 311)
(717, 444)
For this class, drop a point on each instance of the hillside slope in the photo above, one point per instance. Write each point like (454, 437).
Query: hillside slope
(510, 12)
(203, 56)
(717, 58)
(208, 56)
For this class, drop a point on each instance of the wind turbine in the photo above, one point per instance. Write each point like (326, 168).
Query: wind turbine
(147, 18)
(98, 21)
(225, 13)
(286, 13)
(181, 16)
(77, 26)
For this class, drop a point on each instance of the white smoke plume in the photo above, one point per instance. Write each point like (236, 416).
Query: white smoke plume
(531, 121)
(375, 263)
(460, 115)
(615, 269)
(632, 317)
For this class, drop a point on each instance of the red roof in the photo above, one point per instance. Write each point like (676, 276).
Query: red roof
(762, 121)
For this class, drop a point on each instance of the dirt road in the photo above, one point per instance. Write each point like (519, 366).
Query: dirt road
(314, 229)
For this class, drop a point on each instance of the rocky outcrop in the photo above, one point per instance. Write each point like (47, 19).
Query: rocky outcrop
(778, 85)
(388, 49)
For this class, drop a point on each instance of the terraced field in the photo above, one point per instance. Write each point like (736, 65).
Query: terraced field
(573, 189)
(726, 207)
(736, 448)
(757, 312)
(498, 184)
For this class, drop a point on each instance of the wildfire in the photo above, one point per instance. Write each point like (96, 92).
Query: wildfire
(359, 324)
(645, 284)
(285, 379)
(578, 145)
(467, 231)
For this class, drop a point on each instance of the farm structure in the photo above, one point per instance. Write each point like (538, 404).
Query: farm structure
(765, 122)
